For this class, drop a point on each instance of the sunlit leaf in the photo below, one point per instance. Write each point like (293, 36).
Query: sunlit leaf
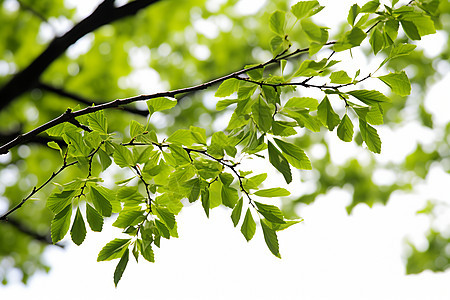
(61, 224)
(120, 268)
(270, 237)
(113, 249)
(345, 129)
(248, 227)
(272, 192)
(78, 231)
(237, 211)
(398, 82)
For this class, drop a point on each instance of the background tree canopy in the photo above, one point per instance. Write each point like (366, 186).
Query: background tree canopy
(144, 157)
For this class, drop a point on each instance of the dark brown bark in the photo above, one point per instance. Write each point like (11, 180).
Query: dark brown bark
(28, 78)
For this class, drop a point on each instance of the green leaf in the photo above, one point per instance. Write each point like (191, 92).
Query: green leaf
(423, 23)
(302, 102)
(101, 204)
(282, 128)
(105, 160)
(353, 13)
(345, 129)
(272, 95)
(397, 51)
(369, 97)
(181, 137)
(370, 136)
(161, 103)
(304, 8)
(401, 50)
(219, 143)
(246, 90)
(205, 201)
(279, 162)
(237, 211)
(352, 38)
(120, 268)
(375, 115)
(113, 249)
(275, 43)
(326, 114)
(370, 7)
(310, 68)
(248, 227)
(195, 189)
(147, 251)
(78, 231)
(166, 216)
(227, 87)
(76, 142)
(122, 156)
(55, 146)
(226, 178)
(255, 74)
(398, 82)
(97, 121)
(391, 31)
(377, 41)
(61, 224)
(198, 135)
(57, 130)
(229, 196)
(294, 154)
(276, 22)
(313, 32)
(340, 77)
(222, 104)
(130, 196)
(270, 237)
(270, 212)
(273, 192)
(95, 220)
(58, 201)
(254, 181)
(262, 114)
(163, 230)
(287, 224)
(179, 154)
(129, 218)
(136, 128)
(303, 118)
(410, 29)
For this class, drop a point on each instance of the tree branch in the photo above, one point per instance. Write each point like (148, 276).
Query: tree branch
(28, 78)
(41, 140)
(37, 236)
(81, 99)
(68, 116)
(303, 83)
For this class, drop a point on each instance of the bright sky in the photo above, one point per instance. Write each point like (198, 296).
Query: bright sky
(329, 256)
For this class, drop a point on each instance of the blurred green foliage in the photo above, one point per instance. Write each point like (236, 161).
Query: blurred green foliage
(169, 41)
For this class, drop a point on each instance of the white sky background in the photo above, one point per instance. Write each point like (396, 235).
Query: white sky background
(329, 256)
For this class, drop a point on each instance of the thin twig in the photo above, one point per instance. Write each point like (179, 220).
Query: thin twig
(65, 165)
(303, 83)
(147, 186)
(91, 158)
